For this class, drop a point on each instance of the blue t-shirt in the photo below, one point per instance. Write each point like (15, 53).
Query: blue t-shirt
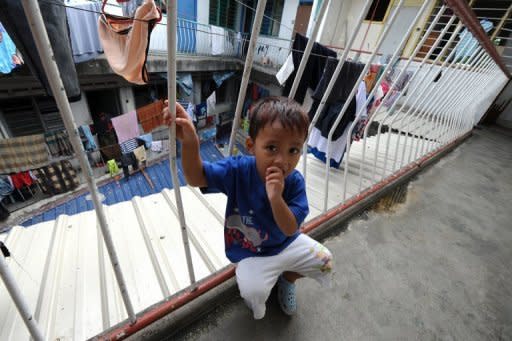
(249, 228)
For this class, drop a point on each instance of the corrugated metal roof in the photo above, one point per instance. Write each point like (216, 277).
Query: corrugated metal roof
(63, 269)
(125, 189)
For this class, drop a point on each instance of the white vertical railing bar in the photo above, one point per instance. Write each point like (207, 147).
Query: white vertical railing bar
(413, 91)
(38, 29)
(328, 90)
(19, 301)
(255, 32)
(307, 50)
(424, 111)
(461, 97)
(450, 98)
(343, 110)
(479, 83)
(446, 89)
(428, 88)
(390, 64)
(450, 105)
(390, 112)
(171, 96)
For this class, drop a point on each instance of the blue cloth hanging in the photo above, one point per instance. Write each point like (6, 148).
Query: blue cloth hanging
(7, 50)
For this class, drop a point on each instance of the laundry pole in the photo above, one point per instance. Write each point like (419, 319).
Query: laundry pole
(44, 48)
(19, 300)
(255, 32)
(171, 96)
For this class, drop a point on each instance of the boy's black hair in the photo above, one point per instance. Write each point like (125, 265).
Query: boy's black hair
(275, 108)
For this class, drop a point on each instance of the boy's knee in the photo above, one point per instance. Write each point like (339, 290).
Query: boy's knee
(324, 256)
(252, 289)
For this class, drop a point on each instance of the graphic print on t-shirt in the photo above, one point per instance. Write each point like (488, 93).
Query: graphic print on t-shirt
(239, 233)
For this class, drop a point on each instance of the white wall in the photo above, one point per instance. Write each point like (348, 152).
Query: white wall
(203, 11)
(81, 112)
(288, 19)
(127, 100)
(341, 20)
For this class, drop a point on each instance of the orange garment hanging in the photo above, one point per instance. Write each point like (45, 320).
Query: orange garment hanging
(150, 116)
(126, 40)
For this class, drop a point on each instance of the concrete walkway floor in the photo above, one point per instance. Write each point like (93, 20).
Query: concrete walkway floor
(435, 267)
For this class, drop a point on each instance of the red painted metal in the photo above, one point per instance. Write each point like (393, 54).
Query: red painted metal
(145, 319)
(468, 17)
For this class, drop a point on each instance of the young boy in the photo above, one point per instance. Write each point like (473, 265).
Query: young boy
(266, 202)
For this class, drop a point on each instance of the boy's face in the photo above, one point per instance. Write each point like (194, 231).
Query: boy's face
(276, 146)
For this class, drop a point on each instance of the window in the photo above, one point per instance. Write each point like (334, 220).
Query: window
(378, 10)
(223, 13)
(274, 10)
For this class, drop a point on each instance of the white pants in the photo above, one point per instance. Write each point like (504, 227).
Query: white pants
(257, 275)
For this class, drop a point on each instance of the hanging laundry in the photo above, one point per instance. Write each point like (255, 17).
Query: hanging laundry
(128, 146)
(467, 43)
(130, 6)
(58, 143)
(286, 70)
(217, 40)
(56, 178)
(83, 30)
(314, 67)
(201, 113)
(396, 85)
(318, 142)
(342, 87)
(211, 101)
(220, 77)
(6, 188)
(191, 111)
(156, 146)
(90, 144)
(7, 52)
(140, 154)
(22, 153)
(128, 157)
(318, 147)
(125, 41)
(371, 76)
(184, 80)
(126, 126)
(147, 139)
(150, 116)
(21, 179)
(15, 22)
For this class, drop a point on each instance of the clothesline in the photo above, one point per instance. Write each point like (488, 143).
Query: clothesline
(241, 39)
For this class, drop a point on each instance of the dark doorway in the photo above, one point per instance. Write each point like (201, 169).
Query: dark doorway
(106, 101)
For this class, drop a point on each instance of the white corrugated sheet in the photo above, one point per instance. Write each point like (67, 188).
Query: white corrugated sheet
(64, 272)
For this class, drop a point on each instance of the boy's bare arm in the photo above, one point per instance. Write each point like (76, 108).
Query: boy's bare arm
(274, 184)
(190, 156)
